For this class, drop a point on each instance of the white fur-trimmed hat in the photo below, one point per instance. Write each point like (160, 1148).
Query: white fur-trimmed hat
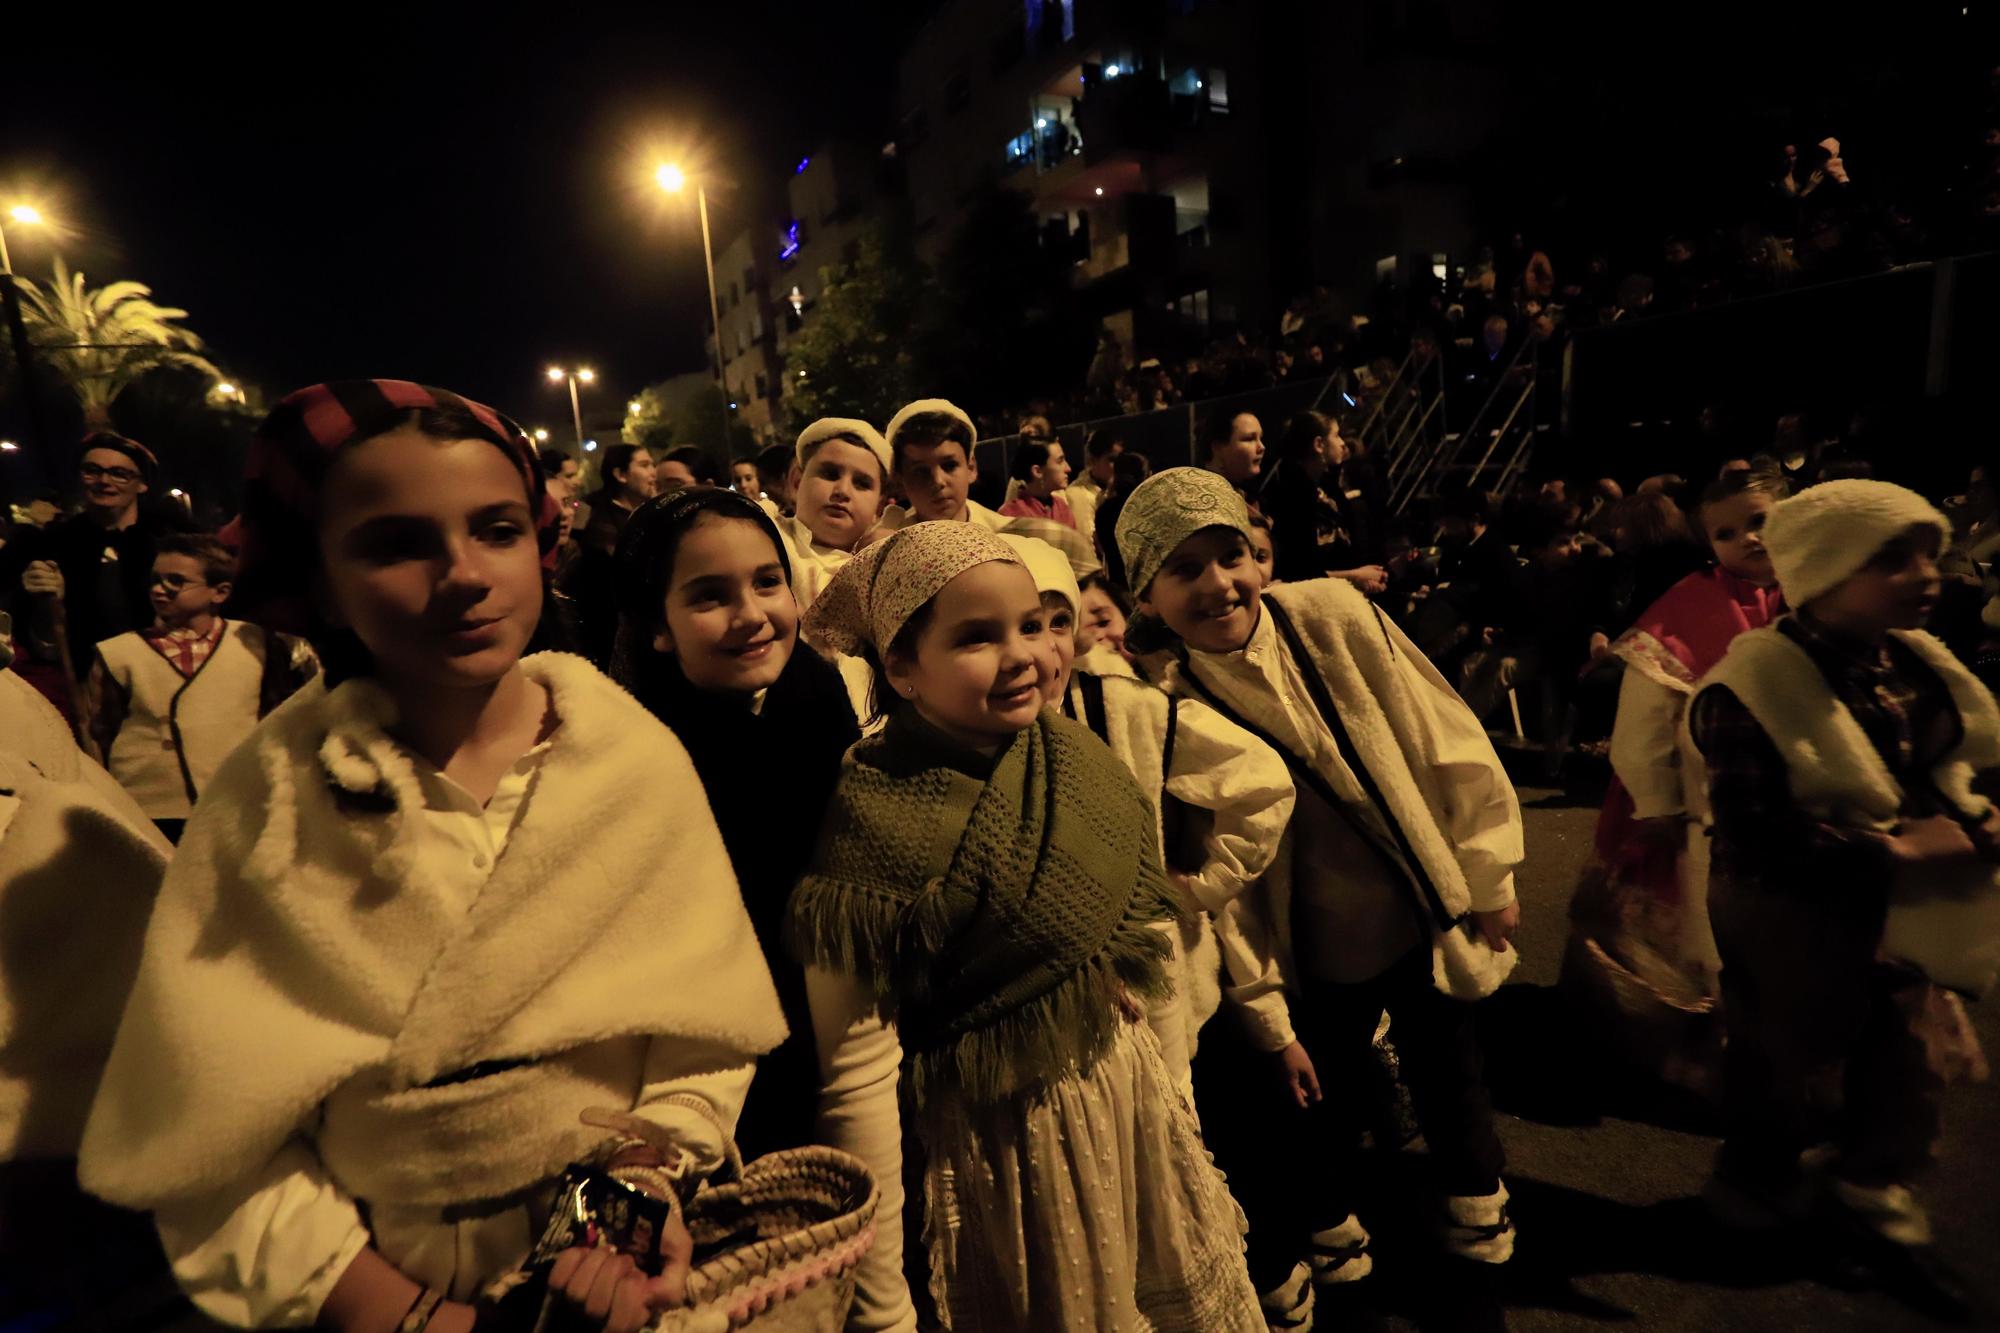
(1048, 566)
(1824, 534)
(921, 407)
(837, 428)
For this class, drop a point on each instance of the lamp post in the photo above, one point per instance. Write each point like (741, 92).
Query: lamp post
(588, 376)
(673, 180)
(17, 329)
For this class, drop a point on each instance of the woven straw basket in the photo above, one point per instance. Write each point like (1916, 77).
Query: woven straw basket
(776, 1250)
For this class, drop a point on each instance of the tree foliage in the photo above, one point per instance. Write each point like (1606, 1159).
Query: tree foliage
(1006, 324)
(687, 409)
(97, 343)
(856, 356)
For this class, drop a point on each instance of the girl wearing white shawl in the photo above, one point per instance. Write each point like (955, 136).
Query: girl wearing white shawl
(415, 931)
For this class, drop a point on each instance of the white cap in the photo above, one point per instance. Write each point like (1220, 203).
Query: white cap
(927, 405)
(850, 428)
(1823, 535)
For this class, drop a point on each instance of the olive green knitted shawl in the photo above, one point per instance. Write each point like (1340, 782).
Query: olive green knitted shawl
(997, 914)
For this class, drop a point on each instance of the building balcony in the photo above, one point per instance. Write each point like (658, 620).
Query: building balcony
(1139, 114)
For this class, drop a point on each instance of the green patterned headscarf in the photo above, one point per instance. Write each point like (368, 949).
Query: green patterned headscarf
(1168, 508)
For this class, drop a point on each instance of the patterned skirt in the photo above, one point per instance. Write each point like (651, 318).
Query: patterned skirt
(1090, 1204)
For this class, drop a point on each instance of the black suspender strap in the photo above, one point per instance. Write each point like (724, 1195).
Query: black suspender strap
(1396, 855)
(1092, 690)
(1323, 700)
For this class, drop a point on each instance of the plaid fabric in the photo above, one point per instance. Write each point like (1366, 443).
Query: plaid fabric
(184, 648)
(290, 456)
(1760, 835)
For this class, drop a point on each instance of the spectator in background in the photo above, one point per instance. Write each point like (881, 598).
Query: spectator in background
(558, 465)
(1544, 641)
(1127, 471)
(1036, 427)
(743, 478)
(1086, 488)
(1653, 548)
(1303, 498)
(1232, 445)
(1043, 472)
(1479, 570)
(92, 570)
(630, 479)
(774, 474)
(1679, 276)
(687, 465)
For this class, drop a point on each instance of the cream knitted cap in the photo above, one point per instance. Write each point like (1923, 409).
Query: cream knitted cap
(1825, 533)
(1047, 566)
(836, 428)
(1168, 508)
(919, 408)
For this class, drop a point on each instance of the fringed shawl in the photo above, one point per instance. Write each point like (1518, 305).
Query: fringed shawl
(997, 910)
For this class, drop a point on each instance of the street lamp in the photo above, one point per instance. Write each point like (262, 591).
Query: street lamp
(673, 180)
(26, 215)
(583, 374)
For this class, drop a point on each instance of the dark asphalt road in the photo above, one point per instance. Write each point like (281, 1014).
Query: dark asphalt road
(1611, 1234)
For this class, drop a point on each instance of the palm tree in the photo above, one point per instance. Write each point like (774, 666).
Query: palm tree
(99, 342)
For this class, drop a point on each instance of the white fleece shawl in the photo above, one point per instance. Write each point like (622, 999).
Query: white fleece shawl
(79, 865)
(291, 950)
(1368, 667)
(1944, 921)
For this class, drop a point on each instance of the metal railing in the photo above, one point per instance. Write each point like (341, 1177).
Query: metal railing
(1167, 435)
(1511, 395)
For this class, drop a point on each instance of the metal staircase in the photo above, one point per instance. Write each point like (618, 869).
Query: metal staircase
(1489, 452)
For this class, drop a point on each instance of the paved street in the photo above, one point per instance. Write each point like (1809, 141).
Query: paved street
(1611, 1234)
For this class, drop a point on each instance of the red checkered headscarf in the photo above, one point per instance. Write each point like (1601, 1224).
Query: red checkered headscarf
(294, 449)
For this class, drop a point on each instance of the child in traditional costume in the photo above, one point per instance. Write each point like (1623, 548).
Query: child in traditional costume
(1641, 961)
(989, 881)
(421, 948)
(710, 645)
(168, 703)
(1227, 798)
(838, 483)
(1853, 872)
(1395, 889)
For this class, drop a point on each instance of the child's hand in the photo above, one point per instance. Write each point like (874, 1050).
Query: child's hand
(1937, 840)
(609, 1290)
(1301, 1079)
(1986, 835)
(1498, 927)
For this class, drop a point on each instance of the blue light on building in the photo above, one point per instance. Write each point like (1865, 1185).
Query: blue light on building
(791, 245)
(800, 169)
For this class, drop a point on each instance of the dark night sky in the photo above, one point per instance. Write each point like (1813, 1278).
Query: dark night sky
(422, 194)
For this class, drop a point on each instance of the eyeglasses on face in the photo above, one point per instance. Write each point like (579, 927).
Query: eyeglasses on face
(177, 583)
(124, 476)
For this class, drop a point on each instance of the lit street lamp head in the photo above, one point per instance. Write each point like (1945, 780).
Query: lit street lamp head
(671, 178)
(555, 374)
(587, 375)
(27, 214)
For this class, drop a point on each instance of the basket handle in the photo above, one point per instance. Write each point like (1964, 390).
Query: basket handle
(638, 1129)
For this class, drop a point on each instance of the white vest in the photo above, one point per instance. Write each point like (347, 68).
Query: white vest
(1945, 921)
(178, 729)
